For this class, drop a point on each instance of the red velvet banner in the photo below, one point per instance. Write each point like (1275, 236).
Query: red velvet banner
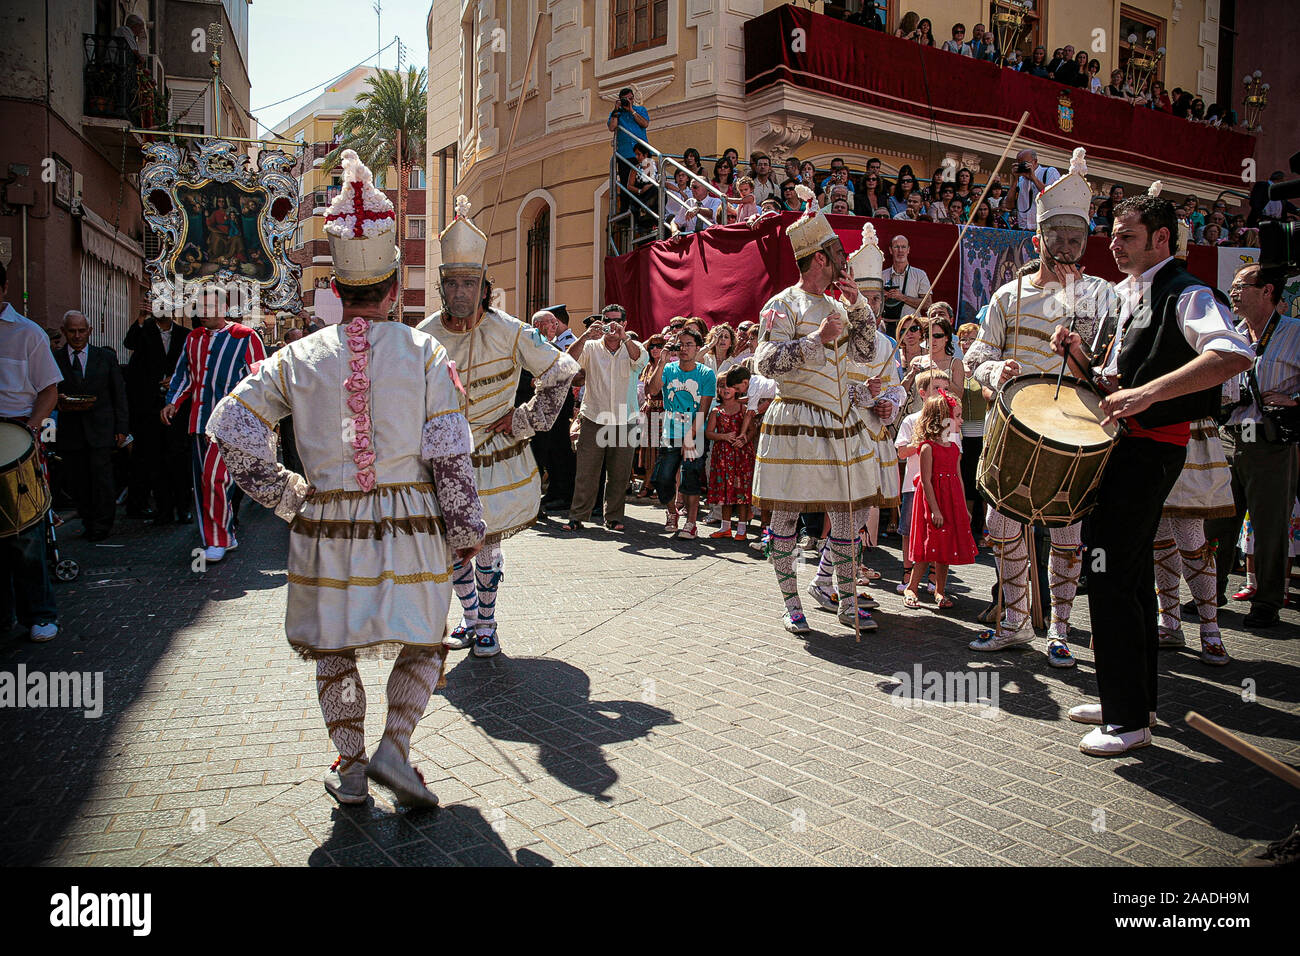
(727, 273)
(856, 63)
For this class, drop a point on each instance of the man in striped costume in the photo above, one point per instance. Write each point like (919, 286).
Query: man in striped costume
(815, 452)
(217, 356)
(489, 349)
(1015, 340)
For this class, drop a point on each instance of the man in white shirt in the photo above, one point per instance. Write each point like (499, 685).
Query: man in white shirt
(905, 285)
(1030, 179)
(765, 185)
(608, 435)
(915, 206)
(704, 210)
(1163, 360)
(29, 390)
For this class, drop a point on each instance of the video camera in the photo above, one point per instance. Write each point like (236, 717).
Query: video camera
(1279, 242)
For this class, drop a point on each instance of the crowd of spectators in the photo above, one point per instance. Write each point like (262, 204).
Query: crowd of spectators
(1066, 65)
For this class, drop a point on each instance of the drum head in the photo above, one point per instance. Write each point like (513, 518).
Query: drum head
(1071, 419)
(15, 442)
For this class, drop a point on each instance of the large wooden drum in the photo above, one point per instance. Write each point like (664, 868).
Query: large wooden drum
(1043, 457)
(24, 495)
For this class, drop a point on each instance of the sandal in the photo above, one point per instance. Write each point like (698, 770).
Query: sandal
(910, 601)
(868, 574)
(613, 525)
(943, 601)
(571, 526)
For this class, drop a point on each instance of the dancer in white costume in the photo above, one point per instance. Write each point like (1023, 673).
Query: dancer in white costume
(807, 342)
(886, 396)
(1203, 491)
(386, 501)
(489, 348)
(1014, 340)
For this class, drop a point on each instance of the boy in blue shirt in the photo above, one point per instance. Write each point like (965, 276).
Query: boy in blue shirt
(688, 388)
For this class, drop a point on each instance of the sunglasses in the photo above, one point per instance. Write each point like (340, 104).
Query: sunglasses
(910, 329)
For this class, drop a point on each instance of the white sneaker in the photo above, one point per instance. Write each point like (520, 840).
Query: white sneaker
(214, 554)
(487, 645)
(826, 600)
(1108, 742)
(43, 632)
(351, 788)
(388, 768)
(1091, 714)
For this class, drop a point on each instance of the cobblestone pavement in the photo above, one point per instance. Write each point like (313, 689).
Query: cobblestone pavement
(648, 709)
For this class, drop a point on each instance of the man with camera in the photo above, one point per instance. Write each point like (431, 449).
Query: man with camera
(1028, 181)
(627, 120)
(905, 284)
(611, 362)
(1261, 455)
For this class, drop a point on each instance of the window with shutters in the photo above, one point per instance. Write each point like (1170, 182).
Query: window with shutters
(415, 228)
(539, 261)
(188, 108)
(637, 25)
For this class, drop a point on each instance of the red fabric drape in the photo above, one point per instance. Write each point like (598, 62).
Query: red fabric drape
(727, 273)
(855, 63)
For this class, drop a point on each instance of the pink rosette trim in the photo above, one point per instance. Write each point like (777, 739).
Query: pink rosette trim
(357, 402)
(364, 459)
(357, 382)
(360, 442)
(358, 364)
(358, 326)
(361, 424)
(366, 479)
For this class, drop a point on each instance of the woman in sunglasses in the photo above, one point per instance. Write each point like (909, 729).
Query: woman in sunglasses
(790, 201)
(871, 195)
(902, 189)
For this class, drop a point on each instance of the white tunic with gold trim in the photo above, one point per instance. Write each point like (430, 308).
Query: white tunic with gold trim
(812, 424)
(1204, 488)
(365, 567)
(489, 359)
(1021, 319)
(885, 367)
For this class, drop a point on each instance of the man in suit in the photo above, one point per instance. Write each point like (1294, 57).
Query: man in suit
(86, 438)
(159, 459)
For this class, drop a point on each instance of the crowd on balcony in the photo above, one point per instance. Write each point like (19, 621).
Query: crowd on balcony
(1067, 65)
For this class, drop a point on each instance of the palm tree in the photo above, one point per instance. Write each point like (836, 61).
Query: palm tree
(390, 113)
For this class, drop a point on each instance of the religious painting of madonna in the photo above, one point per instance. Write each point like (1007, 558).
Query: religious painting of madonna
(221, 221)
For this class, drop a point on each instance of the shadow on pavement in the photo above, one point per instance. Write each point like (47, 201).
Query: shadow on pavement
(546, 702)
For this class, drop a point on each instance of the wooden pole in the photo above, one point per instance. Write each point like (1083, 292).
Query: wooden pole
(1249, 751)
(920, 306)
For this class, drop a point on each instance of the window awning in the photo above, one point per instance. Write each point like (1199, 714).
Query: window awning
(119, 251)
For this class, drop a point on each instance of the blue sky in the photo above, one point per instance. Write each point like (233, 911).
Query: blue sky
(293, 45)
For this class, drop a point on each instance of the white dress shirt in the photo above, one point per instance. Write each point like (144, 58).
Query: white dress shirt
(1206, 324)
(26, 363)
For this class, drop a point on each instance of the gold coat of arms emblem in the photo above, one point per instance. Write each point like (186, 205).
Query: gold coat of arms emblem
(1065, 113)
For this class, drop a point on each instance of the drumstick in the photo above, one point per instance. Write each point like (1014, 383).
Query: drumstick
(1065, 359)
(920, 307)
(1249, 751)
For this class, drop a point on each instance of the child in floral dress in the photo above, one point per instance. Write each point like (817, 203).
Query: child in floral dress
(731, 476)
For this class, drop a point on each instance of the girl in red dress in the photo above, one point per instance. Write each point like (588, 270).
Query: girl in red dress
(940, 522)
(731, 472)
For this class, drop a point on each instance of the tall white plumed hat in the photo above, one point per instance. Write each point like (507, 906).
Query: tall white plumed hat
(811, 231)
(1179, 243)
(868, 263)
(1070, 195)
(463, 245)
(361, 227)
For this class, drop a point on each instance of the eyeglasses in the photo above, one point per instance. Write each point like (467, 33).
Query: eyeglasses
(910, 330)
(907, 179)
(1238, 286)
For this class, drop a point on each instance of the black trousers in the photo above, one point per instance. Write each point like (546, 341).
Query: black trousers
(1263, 483)
(1118, 535)
(89, 474)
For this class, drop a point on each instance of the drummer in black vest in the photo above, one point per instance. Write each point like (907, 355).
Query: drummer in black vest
(1166, 356)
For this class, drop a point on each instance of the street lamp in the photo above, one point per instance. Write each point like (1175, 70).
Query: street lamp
(1143, 59)
(1008, 23)
(1256, 99)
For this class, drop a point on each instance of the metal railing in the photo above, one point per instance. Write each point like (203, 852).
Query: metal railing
(621, 225)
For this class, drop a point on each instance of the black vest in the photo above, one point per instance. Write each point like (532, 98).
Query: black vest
(1154, 345)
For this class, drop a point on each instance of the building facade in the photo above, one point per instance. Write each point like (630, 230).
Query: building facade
(313, 126)
(689, 62)
(79, 83)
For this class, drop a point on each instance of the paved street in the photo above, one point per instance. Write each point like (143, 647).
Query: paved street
(648, 709)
